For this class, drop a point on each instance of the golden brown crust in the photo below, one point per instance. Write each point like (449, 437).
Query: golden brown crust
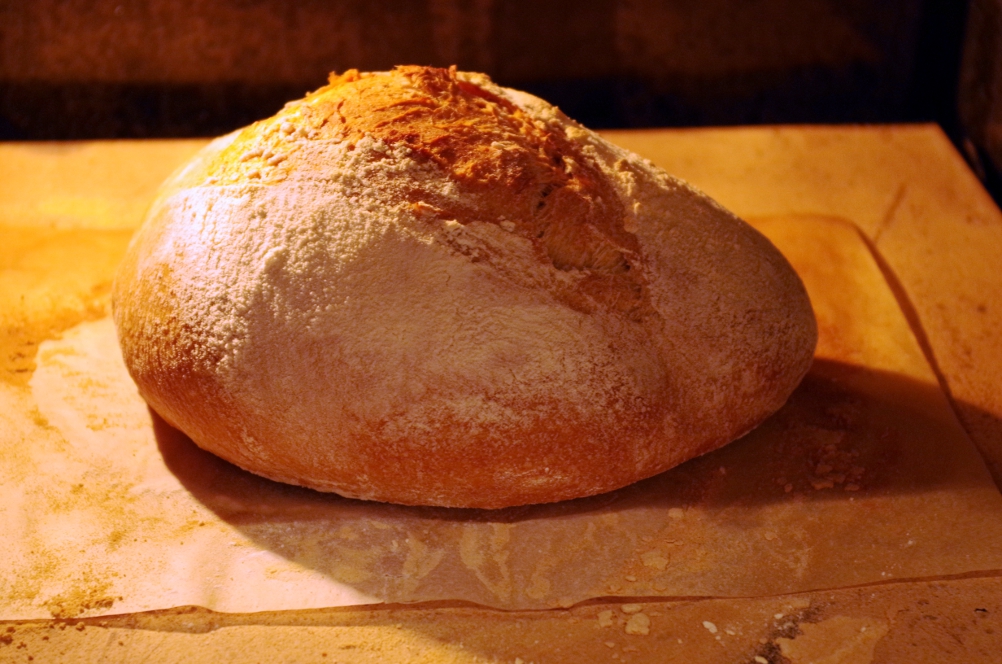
(421, 288)
(539, 182)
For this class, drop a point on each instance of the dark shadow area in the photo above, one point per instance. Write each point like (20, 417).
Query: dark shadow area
(847, 437)
(72, 71)
(93, 110)
(80, 110)
(798, 95)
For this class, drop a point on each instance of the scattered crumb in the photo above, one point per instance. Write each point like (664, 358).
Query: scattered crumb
(676, 513)
(632, 608)
(630, 577)
(761, 660)
(769, 535)
(834, 466)
(610, 644)
(655, 559)
(82, 600)
(638, 623)
(710, 626)
(778, 616)
(605, 619)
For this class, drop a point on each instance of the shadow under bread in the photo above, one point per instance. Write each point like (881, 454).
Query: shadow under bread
(842, 466)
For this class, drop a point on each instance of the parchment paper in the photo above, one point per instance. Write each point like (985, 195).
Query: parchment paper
(864, 476)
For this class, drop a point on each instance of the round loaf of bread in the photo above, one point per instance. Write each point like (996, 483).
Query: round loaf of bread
(419, 287)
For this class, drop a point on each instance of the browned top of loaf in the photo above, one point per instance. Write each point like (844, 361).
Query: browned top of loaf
(312, 365)
(516, 169)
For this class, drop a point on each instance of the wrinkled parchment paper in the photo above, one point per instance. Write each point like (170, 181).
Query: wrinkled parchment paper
(864, 476)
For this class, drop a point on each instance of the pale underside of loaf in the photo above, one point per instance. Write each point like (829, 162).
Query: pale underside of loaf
(385, 317)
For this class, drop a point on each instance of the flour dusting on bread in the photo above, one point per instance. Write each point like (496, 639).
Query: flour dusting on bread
(418, 286)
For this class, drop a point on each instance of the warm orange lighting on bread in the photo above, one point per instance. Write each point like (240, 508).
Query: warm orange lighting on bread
(419, 287)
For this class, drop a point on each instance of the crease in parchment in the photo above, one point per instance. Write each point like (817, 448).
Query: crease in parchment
(911, 315)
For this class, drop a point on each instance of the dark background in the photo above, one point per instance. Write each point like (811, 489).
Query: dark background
(83, 69)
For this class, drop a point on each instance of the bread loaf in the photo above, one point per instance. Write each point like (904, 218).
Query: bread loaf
(419, 287)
